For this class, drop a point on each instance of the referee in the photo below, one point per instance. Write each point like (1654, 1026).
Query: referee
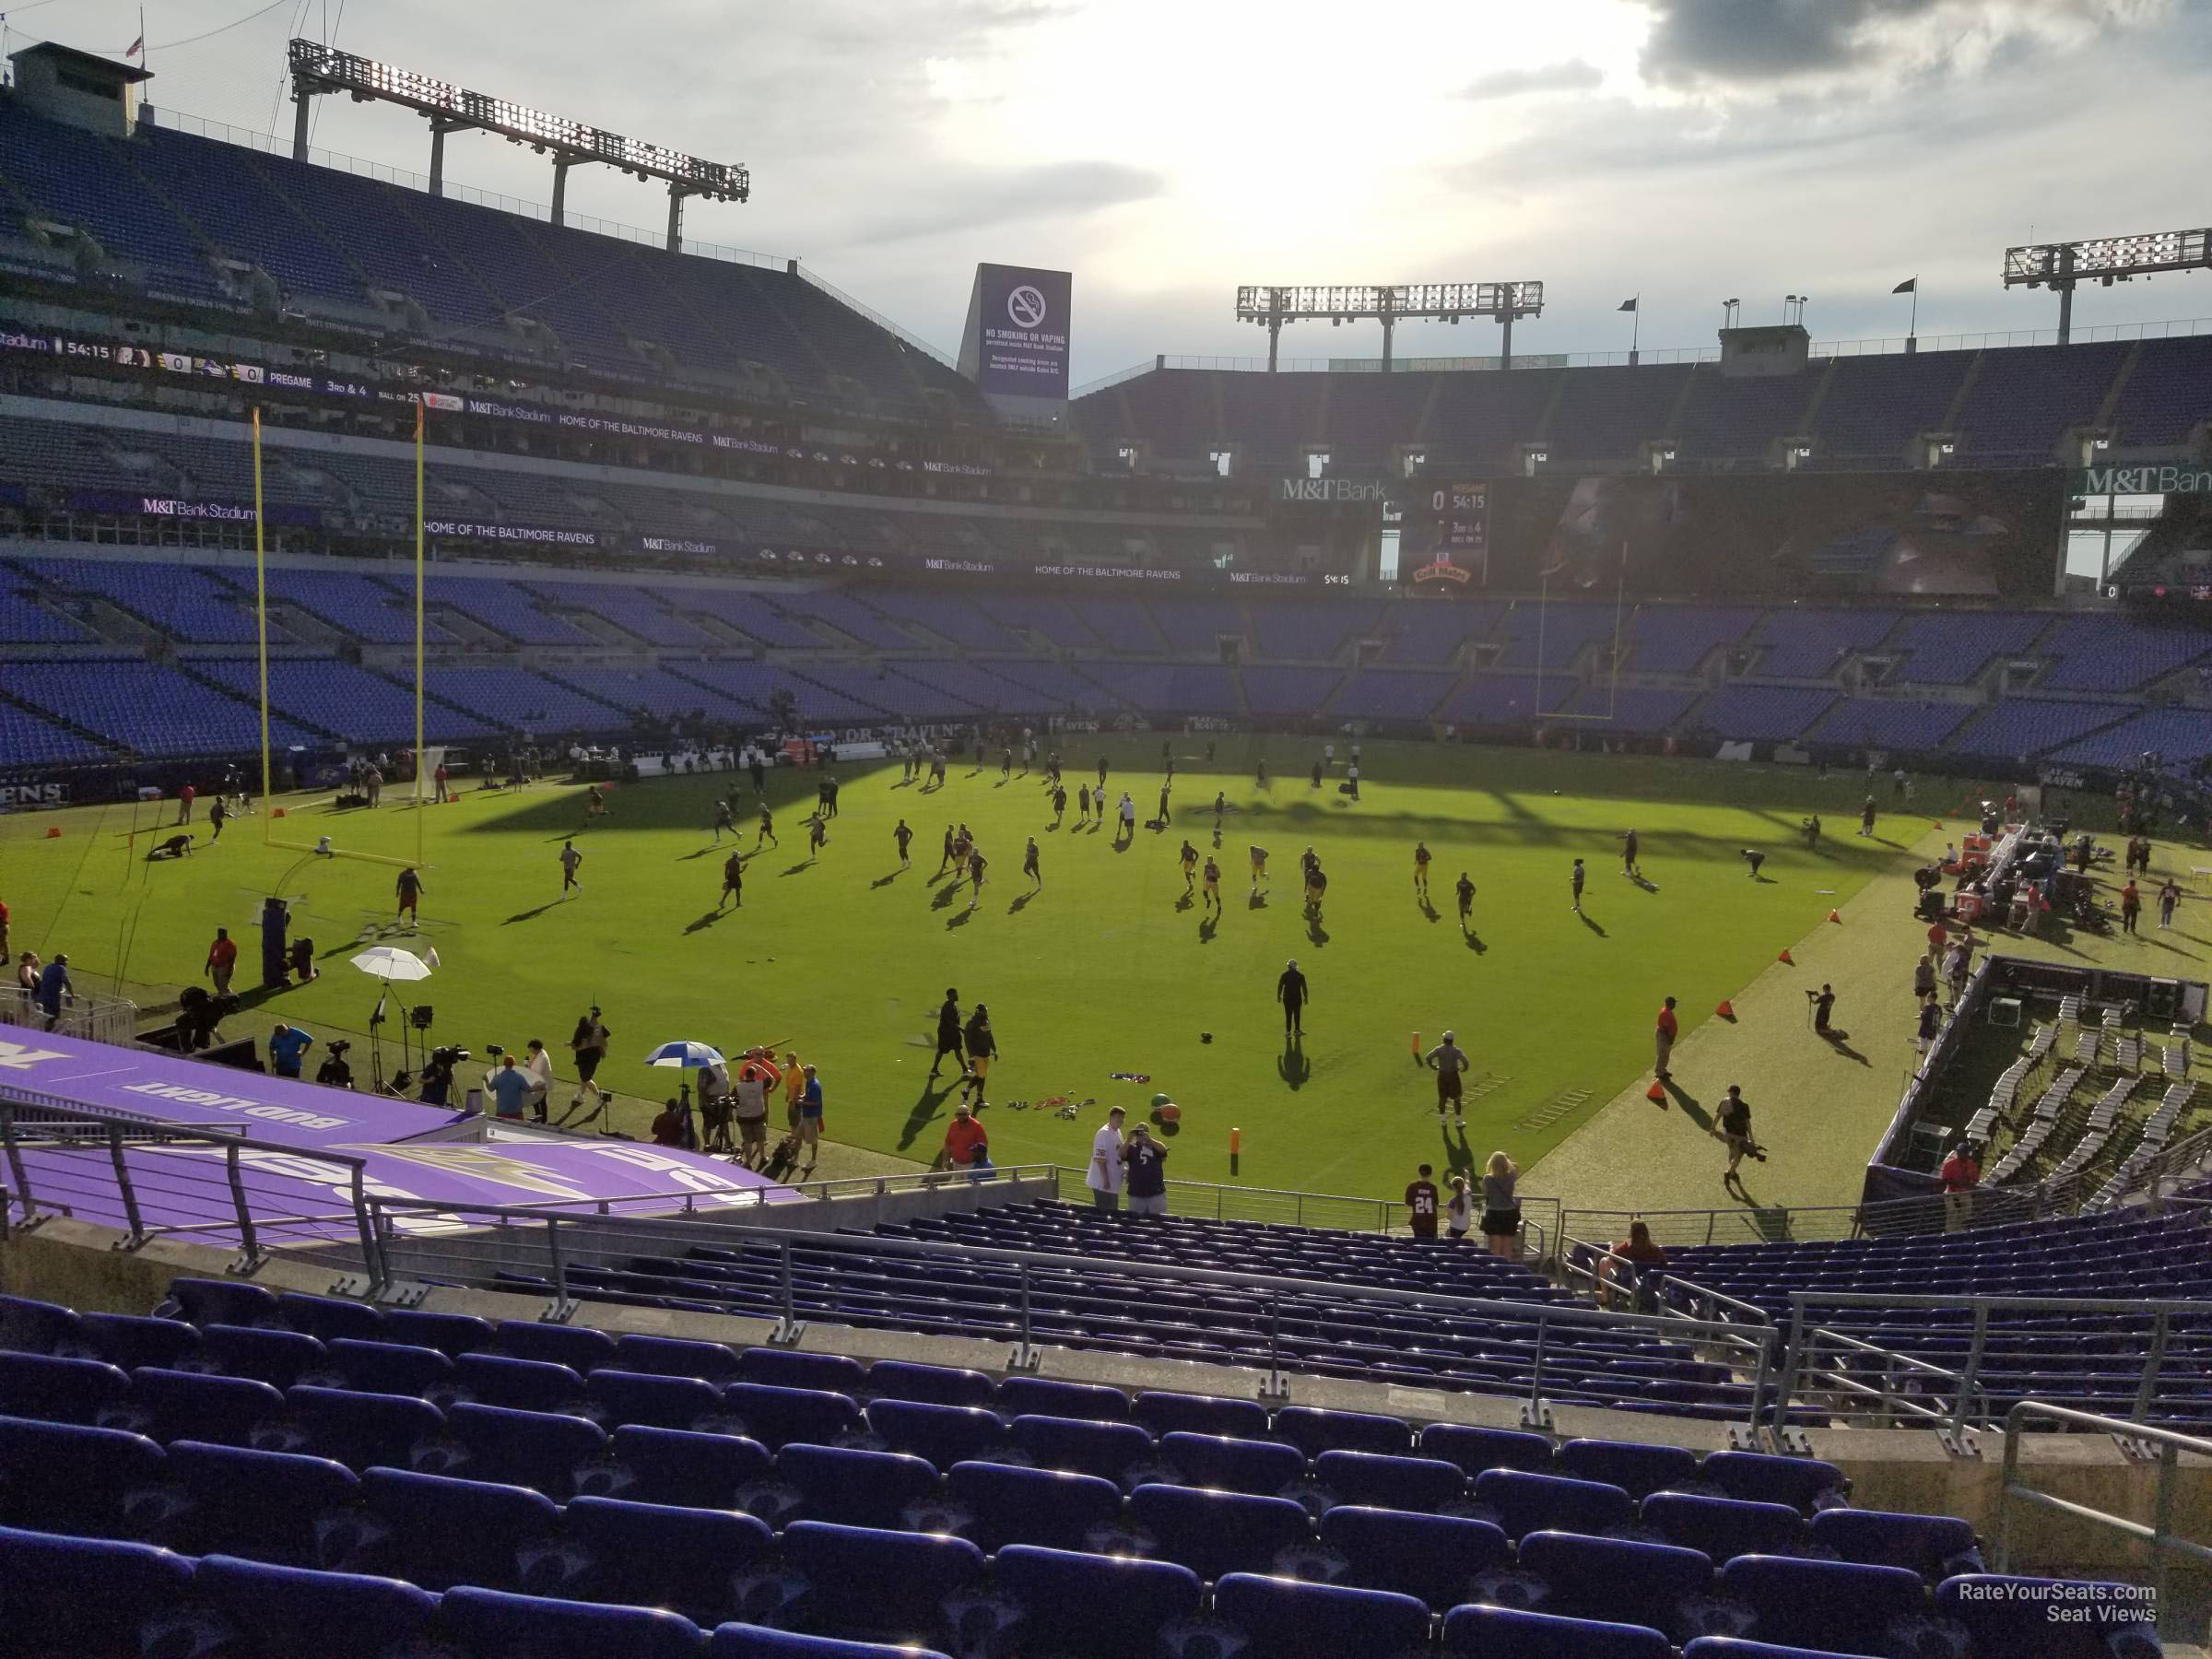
(1447, 1060)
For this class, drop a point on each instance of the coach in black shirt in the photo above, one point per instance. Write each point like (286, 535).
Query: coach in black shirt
(1290, 990)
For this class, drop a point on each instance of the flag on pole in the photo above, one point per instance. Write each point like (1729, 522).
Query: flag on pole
(137, 48)
(1910, 285)
(1628, 305)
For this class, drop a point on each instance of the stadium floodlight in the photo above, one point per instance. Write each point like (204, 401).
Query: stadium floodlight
(1448, 302)
(317, 69)
(2060, 265)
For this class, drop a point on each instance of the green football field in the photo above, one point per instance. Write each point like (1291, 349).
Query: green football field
(1107, 968)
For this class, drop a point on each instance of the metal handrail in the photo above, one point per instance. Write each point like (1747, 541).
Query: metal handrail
(2160, 1534)
(638, 1235)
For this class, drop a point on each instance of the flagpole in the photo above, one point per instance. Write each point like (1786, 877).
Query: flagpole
(1635, 327)
(1912, 327)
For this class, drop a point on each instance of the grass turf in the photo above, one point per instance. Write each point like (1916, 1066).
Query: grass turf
(1105, 968)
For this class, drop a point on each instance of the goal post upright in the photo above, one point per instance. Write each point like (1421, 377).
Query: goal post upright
(261, 623)
(420, 756)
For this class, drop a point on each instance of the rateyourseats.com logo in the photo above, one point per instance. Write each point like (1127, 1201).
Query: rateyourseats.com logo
(2097, 1603)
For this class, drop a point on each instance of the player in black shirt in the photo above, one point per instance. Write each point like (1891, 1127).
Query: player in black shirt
(1467, 900)
(1028, 864)
(733, 883)
(905, 837)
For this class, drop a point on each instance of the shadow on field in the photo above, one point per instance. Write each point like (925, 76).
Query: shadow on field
(1293, 1066)
(884, 881)
(1587, 921)
(1021, 902)
(1474, 940)
(924, 1109)
(946, 894)
(1458, 1155)
(1692, 1108)
(1836, 1041)
(1185, 903)
(1314, 931)
(803, 866)
(530, 915)
(705, 922)
(1207, 928)
(1255, 901)
(1430, 909)
(959, 918)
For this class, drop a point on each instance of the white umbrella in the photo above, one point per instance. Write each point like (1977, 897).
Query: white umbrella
(692, 1057)
(390, 962)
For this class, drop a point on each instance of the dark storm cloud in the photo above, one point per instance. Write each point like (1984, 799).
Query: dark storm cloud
(958, 201)
(1574, 76)
(1742, 43)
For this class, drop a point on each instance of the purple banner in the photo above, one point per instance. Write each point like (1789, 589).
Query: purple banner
(408, 1150)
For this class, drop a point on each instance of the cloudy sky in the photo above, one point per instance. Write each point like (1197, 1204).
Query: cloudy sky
(1168, 151)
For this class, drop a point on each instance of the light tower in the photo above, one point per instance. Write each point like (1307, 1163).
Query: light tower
(1448, 302)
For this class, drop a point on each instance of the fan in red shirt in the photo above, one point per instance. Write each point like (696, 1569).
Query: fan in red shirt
(1663, 1037)
(964, 1137)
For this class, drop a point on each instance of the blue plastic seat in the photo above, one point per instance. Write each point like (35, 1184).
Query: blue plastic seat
(674, 1357)
(66, 1477)
(1805, 1484)
(579, 1348)
(519, 1384)
(944, 1434)
(58, 1390)
(1110, 1607)
(657, 1555)
(542, 1450)
(760, 1641)
(1050, 1396)
(442, 1532)
(452, 1334)
(266, 1505)
(1216, 1533)
(934, 1384)
(330, 1317)
(1046, 1507)
(774, 1414)
(1315, 1430)
(852, 1487)
(281, 1612)
(659, 1402)
(1265, 1467)
(131, 1340)
(1525, 1502)
(1822, 1604)
(266, 1353)
(792, 1368)
(878, 1584)
(392, 1368)
(223, 1302)
(1474, 1450)
(1637, 1468)
(88, 1598)
(175, 1405)
(674, 1465)
(361, 1431)
(1110, 1451)
(1403, 1482)
(1166, 1413)
(28, 1326)
(1483, 1632)
(1935, 1546)
(1723, 1527)
(1287, 1619)
(1616, 1578)
(494, 1622)
(1434, 1558)
(2007, 1615)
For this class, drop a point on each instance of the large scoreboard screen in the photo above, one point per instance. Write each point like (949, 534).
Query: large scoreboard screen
(1447, 534)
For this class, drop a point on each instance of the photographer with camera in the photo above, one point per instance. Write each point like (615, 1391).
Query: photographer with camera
(1735, 1118)
(333, 1073)
(437, 1080)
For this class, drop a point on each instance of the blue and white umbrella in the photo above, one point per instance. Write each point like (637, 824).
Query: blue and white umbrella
(692, 1057)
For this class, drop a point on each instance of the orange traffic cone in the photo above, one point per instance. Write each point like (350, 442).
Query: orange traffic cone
(1656, 1092)
(277, 813)
(1835, 915)
(1417, 1045)
(53, 832)
(1935, 823)
(1726, 1010)
(1786, 960)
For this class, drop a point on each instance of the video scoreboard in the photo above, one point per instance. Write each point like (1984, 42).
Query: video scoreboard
(1447, 534)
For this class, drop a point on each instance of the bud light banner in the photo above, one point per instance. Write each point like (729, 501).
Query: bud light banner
(1015, 341)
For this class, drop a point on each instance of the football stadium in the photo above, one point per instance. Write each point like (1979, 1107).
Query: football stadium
(689, 976)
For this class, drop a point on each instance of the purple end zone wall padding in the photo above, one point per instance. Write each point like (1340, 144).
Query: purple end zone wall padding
(409, 1150)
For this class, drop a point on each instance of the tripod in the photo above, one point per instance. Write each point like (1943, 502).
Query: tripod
(376, 1042)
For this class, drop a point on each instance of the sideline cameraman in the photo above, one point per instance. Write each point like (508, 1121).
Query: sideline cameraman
(438, 1075)
(333, 1073)
(1735, 1118)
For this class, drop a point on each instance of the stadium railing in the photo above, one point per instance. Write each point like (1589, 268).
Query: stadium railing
(444, 1243)
(2165, 1542)
(1864, 1382)
(95, 1019)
